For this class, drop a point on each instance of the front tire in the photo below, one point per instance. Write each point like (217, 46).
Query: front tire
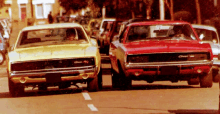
(206, 80)
(100, 84)
(115, 79)
(193, 81)
(14, 89)
(215, 76)
(95, 83)
(126, 82)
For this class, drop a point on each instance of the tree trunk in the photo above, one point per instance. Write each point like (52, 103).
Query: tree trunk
(171, 10)
(198, 12)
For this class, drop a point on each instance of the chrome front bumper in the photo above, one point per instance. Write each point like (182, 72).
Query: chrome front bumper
(154, 68)
(67, 74)
(159, 64)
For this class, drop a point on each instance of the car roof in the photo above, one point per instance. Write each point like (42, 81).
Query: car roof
(109, 19)
(48, 26)
(158, 22)
(135, 20)
(208, 27)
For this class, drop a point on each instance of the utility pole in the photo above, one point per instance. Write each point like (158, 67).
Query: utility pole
(162, 10)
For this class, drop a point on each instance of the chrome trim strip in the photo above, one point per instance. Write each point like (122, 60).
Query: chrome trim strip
(171, 52)
(158, 64)
(41, 73)
(92, 57)
(57, 69)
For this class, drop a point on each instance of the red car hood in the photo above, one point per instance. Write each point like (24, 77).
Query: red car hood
(161, 46)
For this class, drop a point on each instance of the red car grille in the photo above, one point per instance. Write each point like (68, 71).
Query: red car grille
(168, 57)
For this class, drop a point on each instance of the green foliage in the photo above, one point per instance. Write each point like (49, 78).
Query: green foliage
(75, 5)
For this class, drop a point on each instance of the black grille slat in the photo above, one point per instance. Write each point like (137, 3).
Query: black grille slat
(168, 57)
(49, 64)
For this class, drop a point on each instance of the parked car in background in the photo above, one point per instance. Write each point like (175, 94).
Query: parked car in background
(129, 21)
(84, 22)
(41, 58)
(209, 34)
(93, 27)
(114, 30)
(159, 51)
(104, 31)
(102, 41)
(7, 25)
(3, 48)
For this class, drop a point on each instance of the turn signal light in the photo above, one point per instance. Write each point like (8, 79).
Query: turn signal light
(85, 76)
(22, 80)
(137, 73)
(199, 71)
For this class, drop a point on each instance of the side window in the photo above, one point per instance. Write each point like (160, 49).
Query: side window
(122, 35)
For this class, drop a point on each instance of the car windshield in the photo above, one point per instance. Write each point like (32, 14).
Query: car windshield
(160, 32)
(54, 36)
(207, 35)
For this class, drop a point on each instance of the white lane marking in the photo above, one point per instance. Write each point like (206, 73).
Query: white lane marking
(92, 107)
(86, 96)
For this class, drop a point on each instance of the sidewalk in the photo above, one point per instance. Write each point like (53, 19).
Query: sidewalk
(17, 26)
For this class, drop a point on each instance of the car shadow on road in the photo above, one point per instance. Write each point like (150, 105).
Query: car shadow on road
(32, 93)
(149, 87)
(36, 92)
(197, 111)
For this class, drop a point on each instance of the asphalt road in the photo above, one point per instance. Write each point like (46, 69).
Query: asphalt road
(143, 98)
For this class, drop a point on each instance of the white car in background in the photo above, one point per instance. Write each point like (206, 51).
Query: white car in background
(209, 34)
(103, 31)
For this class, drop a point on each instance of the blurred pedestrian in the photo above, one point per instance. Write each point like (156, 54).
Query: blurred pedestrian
(50, 18)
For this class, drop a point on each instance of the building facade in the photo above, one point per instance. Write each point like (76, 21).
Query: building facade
(26, 10)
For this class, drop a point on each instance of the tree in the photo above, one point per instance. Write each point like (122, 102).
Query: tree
(2, 2)
(74, 5)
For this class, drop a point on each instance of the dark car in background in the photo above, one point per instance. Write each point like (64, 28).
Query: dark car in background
(209, 34)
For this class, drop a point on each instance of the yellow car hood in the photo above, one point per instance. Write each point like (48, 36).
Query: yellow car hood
(53, 51)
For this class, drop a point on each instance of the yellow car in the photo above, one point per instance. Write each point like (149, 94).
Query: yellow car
(53, 55)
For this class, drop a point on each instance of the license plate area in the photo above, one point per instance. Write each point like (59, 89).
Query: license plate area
(169, 70)
(53, 77)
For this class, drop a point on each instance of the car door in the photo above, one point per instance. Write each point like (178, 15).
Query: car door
(114, 46)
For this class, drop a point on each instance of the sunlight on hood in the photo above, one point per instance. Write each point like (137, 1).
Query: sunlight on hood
(51, 52)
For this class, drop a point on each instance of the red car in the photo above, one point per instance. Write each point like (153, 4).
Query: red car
(159, 51)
